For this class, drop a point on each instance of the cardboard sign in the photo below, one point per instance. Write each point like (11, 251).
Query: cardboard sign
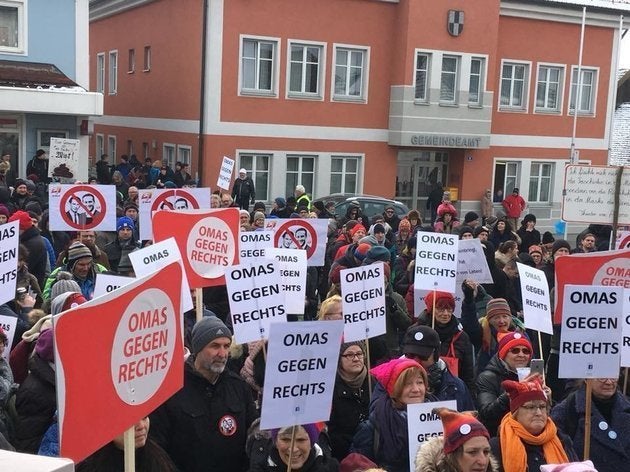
(8, 325)
(300, 372)
(536, 302)
(309, 234)
(423, 425)
(625, 344)
(82, 207)
(106, 283)
(63, 159)
(590, 344)
(256, 299)
(152, 258)
(152, 200)
(609, 268)
(135, 364)
(292, 265)
(253, 244)
(436, 262)
(9, 243)
(225, 175)
(207, 239)
(363, 302)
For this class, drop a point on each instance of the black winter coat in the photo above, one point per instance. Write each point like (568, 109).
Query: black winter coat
(492, 401)
(243, 191)
(37, 254)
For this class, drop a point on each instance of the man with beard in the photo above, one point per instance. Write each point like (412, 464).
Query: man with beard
(204, 426)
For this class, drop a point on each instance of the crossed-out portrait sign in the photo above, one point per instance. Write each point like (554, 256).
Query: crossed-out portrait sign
(307, 234)
(82, 207)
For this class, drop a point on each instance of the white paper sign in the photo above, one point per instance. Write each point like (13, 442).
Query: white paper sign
(82, 207)
(292, 266)
(225, 175)
(9, 243)
(300, 373)
(536, 301)
(253, 244)
(436, 262)
(106, 283)
(310, 234)
(8, 325)
(363, 302)
(590, 344)
(152, 258)
(256, 299)
(625, 344)
(471, 264)
(63, 158)
(424, 425)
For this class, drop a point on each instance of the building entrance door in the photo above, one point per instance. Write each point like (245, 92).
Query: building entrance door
(418, 174)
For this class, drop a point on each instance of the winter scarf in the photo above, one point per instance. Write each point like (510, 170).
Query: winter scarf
(447, 331)
(392, 426)
(354, 382)
(247, 372)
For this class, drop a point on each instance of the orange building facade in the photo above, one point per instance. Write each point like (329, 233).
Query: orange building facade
(385, 97)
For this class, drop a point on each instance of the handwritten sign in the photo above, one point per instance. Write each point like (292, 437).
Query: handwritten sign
(64, 158)
(9, 242)
(225, 174)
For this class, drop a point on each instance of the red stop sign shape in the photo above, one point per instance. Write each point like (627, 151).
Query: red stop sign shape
(296, 234)
(87, 203)
(174, 200)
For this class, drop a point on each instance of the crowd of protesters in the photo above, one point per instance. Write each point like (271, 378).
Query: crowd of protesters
(428, 353)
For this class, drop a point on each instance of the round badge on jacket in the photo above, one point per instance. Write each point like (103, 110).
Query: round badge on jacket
(227, 425)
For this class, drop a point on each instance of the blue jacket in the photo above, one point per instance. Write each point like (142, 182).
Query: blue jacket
(454, 388)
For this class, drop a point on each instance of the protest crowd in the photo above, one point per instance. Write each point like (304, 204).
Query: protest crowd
(475, 351)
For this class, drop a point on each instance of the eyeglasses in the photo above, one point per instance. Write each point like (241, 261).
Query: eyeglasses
(531, 408)
(333, 316)
(353, 355)
(520, 350)
(389, 211)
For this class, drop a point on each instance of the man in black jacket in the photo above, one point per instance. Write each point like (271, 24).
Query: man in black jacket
(37, 261)
(243, 191)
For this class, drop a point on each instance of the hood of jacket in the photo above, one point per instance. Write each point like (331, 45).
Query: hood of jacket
(430, 458)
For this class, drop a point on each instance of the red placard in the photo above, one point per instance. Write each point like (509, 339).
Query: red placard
(118, 358)
(207, 240)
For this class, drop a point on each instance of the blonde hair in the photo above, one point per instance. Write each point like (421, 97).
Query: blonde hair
(326, 306)
(157, 163)
(405, 377)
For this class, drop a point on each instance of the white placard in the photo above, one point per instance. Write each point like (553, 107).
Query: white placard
(363, 302)
(536, 301)
(623, 240)
(300, 373)
(256, 299)
(106, 283)
(8, 325)
(9, 243)
(152, 258)
(471, 264)
(63, 158)
(82, 207)
(590, 344)
(424, 425)
(292, 265)
(625, 344)
(436, 262)
(253, 244)
(310, 234)
(225, 175)
(18, 461)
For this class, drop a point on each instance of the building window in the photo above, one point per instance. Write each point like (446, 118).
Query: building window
(131, 63)
(540, 182)
(422, 76)
(548, 88)
(113, 72)
(305, 69)
(506, 177)
(100, 72)
(129, 147)
(257, 166)
(100, 146)
(146, 67)
(257, 65)
(344, 174)
(587, 91)
(448, 79)
(350, 73)
(111, 148)
(183, 154)
(168, 155)
(145, 150)
(475, 91)
(300, 170)
(12, 34)
(513, 86)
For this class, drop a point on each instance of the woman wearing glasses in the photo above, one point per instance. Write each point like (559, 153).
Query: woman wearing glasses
(527, 437)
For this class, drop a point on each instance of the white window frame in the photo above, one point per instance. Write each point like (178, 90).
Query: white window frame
(22, 27)
(131, 61)
(344, 172)
(99, 146)
(455, 75)
(594, 88)
(111, 148)
(113, 72)
(526, 82)
(365, 73)
(301, 172)
(253, 172)
(100, 72)
(517, 176)
(169, 153)
(539, 178)
(146, 59)
(182, 150)
(481, 85)
(321, 66)
(275, 66)
(427, 80)
(560, 94)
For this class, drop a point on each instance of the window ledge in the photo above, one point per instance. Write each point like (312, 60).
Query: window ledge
(348, 99)
(583, 114)
(475, 106)
(304, 96)
(544, 111)
(146, 70)
(423, 103)
(449, 105)
(512, 110)
(258, 93)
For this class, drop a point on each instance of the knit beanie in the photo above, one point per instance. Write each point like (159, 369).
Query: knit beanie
(312, 429)
(465, 229)
(4, 210)
(66, 301)
(362, 250)
(378, 228)
(527, 218)
(281, 202)
(45, 346)
(64, 283)
(404, 225)
(523, 392)
(258, 215)
(441, 298)
(509, 340)
(459, 428)
(355, 228)
(377, 254)
(75, 252)
(259, 206)
(547, 238)
(125, 222)
(470, 217)
(535, 248)
(497, 306)
(23, 218)
(586, 466)
(560, 243)
(480, 229)
(206, 330)
(345, 346)
(388, 373)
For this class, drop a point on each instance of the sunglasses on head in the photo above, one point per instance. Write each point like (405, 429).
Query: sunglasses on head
(521, 350)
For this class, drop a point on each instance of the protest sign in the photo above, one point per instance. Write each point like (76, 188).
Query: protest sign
(82, 207)
(363, 302)
(436, 262)
(106, 283)
(608, 268)
(424, 425)
(152, 258)
(623, 240)
(590, 343)
(536, 304)
(253, 244)
(225, 175)
(256, 299)
(292, 266)
(9, 243)
(625, 344)
(471, 264)
(16, 461)
(63, 159)
(309, 234)
(207, 239)
(300, 373)
(135, 363)
(8, 325)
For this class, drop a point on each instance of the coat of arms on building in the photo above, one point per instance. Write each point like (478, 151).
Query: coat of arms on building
(455, 22)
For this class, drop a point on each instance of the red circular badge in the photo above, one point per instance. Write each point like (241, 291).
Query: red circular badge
(82, 207)
(296, 234)
(173, 200)
(228, 425)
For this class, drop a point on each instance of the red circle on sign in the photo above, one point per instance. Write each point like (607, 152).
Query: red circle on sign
(164, 196)
(288, 228)
(625, 243)
(85, 222)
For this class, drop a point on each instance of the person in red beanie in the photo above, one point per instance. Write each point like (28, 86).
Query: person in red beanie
(463, 448)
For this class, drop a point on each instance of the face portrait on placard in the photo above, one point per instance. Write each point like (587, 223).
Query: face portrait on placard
(181, 204)
(83, 203)
(287, 240)
(301, 236)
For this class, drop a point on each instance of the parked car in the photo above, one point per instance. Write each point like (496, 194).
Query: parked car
(370, 204)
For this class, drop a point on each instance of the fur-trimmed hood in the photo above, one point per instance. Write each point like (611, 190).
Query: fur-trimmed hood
(430, 458)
